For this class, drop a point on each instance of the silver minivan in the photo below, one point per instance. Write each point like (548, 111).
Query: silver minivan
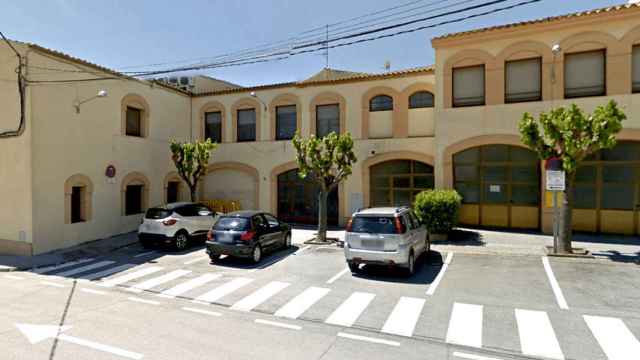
(391, 236)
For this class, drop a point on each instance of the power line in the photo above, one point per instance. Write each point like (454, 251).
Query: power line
(21, 95)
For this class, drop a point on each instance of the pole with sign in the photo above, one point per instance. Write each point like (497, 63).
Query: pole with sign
(555, 180)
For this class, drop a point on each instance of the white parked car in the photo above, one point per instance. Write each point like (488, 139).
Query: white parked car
(176, 224)
(391, 236)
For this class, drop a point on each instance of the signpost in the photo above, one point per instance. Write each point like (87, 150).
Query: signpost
(555, 182)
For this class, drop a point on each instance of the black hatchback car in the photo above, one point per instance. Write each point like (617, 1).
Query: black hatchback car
(247, 234)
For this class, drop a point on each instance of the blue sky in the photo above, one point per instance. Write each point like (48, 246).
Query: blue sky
(118, 33)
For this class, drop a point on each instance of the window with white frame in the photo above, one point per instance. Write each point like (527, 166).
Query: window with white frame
(523, 80)
(584, 74)
(468, 86)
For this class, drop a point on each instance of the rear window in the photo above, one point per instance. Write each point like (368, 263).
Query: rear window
(373, 224)
(157, 213)
(232, 223)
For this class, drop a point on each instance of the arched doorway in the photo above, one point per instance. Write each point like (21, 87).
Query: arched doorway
(397, 182)
(499, 185)
(298, 200)
(607, 191)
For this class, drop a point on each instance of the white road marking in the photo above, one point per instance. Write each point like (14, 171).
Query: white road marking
(465, 325)
(348, 312)
(537, 337)
(614, 337)
(554, 284)
(189, 285)
(299, 304)
(49, 283)
(259, 296)
(404, 316)
(145, 254)
(278, 324)
(223, 290)
(151, 283)
(436, 281)
(60, 266)
(301, 250)
(266, 264)
(337, 276)
(105, 273)
(143, 301)
(200, 311)
(130, 276)
(85, 268)
(13, 277)
(368, 339)
(193, 261)
(92, 291)
(472, 356)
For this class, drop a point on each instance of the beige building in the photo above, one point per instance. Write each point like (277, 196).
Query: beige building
(86, 167)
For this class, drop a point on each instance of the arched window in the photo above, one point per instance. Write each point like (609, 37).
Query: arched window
(78, 192)
(135, 194)
(397, 182)
(135, 116)
(421, 99)
(381, 103)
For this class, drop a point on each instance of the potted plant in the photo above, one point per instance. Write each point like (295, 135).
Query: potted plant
(438, 210)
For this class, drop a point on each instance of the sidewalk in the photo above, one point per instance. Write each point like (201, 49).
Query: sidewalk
(87, 250)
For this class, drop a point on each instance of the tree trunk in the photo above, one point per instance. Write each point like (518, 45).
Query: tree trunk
(566, 218)
(322, 215)
(192, 189)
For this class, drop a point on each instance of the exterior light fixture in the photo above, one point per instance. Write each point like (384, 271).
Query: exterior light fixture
(102, 93)
(555, 50)
(254, 95)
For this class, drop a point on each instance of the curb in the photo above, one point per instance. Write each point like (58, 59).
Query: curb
(4, 268)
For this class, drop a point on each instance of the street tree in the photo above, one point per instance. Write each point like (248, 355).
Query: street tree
(571, 135)
(328, 162)
(191, 160)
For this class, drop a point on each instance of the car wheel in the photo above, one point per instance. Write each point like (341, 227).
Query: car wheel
(181, 240)
(355, 268)
(287, 241)
(411, 264)
(256, 254)
(214, 258)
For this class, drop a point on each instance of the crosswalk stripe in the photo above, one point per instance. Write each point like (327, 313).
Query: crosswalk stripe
(404, 316)
(348, 312)
(146, 285)
(259, 296)
(107, 272)
(223, 290)
(47, 269)
(189, 285)
(299, 304)
(82, 269)
(537, 337)
(130, 276)
(465, 325)
(614, 337)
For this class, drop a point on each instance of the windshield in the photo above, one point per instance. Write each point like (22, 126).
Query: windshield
(232, 223)
(373, 224)
(157, 213)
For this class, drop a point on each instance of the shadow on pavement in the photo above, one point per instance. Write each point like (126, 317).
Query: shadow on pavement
(246, 264)
(427, 268)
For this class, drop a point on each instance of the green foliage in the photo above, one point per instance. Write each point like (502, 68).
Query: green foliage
(438, 209)
(570, 134)
(191, 160)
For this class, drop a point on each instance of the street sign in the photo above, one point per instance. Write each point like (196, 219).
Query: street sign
(555, 180)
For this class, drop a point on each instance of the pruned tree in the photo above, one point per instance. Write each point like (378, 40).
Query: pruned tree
(328, 160)
(191, 160)
(571, 135)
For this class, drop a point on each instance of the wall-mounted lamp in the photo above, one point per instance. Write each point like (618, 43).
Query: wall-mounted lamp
(253, 95)
(101, 94)
(555, 50)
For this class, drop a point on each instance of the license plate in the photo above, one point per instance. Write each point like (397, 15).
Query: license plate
(224, 237)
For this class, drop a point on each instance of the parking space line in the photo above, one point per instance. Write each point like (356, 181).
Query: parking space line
(301, 249)
(299, 304)
(349, 311)
(368, 339)
(404, 317)
(337, 276)
(200, 311)
(472, 356)
(189, 285)
(554, 284)
(146, 285)
(465, 325)
(131, 276)
(143, 301)
(13, 277)
(193, 261)
(278, 324)
(434, 285)
(49, 283)
(259, 296)
(92, 291)
(614, 337)
(145, 254)
(537, 337)
(223, 290)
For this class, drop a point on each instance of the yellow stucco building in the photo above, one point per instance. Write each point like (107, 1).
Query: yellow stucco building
(83, 170)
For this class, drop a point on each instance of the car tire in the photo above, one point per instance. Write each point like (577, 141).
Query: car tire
(256, 254)
(355, 268)
(411, 264)
(287, 241)
(214, 258)
(181, 240)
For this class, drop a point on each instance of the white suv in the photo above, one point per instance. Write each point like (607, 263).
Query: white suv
(390, 236)
(176, 224)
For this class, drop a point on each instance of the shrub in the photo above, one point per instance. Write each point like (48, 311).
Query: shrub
(438, 209)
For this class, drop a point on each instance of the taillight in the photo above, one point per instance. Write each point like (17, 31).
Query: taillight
(400, 229)
(247, 235)
(210, 235)
(169, 222)
(349, 224)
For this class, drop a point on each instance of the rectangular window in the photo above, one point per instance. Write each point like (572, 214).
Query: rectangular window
(133, 199)
(286, 123)
(134, 122)
(584, 74)
(213, 126)
(246, 125)
(468, 86)
(523, 80)
(327, 119)
(77, 193)
(172, 191)
(636, 68)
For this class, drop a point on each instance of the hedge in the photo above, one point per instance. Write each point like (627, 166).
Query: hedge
(438, 209)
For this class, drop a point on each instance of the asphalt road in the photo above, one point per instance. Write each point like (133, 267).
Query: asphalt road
(302, 303)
